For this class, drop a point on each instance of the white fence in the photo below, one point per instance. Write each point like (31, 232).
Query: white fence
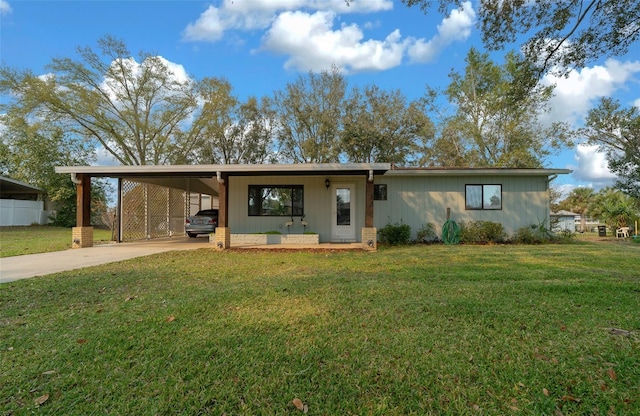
(17, 212)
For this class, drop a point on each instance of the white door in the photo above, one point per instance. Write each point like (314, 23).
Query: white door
(343, 213)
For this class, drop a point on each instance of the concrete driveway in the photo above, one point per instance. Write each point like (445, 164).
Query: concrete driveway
(31, 265)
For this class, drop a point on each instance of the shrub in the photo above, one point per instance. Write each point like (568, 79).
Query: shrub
(427, 234)
(566, 237)
(395, 234)
(534, 234)
(482, 232)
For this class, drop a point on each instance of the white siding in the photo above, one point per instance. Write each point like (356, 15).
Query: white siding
(417, 200)
(17, 212)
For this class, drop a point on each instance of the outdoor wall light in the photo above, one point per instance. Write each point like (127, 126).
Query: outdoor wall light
(327, 183)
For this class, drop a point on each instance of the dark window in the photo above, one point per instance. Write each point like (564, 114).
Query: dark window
(483, 197)
(380, 192)
(276, 200)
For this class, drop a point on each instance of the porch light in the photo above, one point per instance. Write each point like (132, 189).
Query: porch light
(327, 183)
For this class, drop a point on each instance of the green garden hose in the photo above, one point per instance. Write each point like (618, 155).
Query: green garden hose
(450, 232)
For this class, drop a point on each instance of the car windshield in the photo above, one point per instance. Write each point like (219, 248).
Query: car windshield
(208, 213)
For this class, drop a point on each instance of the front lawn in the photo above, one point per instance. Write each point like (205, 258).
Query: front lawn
(15, 241)
(551, 329)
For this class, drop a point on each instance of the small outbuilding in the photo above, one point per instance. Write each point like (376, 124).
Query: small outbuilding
(564, 221)
(22, 204)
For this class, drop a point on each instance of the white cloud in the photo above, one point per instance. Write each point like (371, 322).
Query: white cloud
(306, 32)
(5, 7)
(455, 27)
(260, 14)
(592, 166)
(636, 103)
(575, 94)
(313, 45)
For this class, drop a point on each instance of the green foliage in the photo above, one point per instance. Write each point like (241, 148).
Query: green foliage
(482, 232)
(582, 31)
(617, 131)
(309, 113)
(427, 234)
(492, 117)
(395, 234)
(534, 234)
(380, 126)
(615, 208)
(30, 151)
(136, 110)
(578, 201)
(566, 237)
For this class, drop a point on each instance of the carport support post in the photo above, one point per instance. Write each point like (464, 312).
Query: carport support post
(369, 232)
(222, 238)
(82, 233)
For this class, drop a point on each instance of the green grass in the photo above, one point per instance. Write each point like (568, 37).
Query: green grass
(16, 241)
(418, 330)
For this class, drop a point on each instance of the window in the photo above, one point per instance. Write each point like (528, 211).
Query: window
(483, 196)
(380, 192)
(276, 200)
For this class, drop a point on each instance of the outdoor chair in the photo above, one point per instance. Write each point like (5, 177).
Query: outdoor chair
(622, 232)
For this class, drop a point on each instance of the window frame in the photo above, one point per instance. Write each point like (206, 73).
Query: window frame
(294, 211)
(378, 193)
(483, 206)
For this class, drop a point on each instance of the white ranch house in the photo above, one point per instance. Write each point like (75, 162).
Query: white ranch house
(339, 203)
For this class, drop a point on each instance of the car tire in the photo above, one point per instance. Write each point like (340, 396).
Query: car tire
(192, 235)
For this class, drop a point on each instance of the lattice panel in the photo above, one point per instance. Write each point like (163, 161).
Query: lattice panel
(151, 211)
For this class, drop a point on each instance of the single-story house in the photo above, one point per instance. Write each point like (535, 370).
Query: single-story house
(22, 204)
(564, 221)
(339, 202)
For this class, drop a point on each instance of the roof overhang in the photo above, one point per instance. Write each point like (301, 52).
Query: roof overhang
(476, 172)
(12, 186)
(208, 171)
(204, 178)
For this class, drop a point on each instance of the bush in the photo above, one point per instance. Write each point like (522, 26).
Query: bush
(395, 234)
(534, 234)
(427, 234)
(482, 232)
(566, 237)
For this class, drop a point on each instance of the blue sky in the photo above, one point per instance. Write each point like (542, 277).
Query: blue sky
(261, 45)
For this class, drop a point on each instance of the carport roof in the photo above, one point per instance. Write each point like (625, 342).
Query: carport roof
(207, 171)
(202, 178)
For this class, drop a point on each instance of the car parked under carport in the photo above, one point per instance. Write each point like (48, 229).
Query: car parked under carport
(204, 222)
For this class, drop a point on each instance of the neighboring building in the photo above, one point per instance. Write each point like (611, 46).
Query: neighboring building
(590, 224)
(347, 202)
(563, 221)
(22, 204)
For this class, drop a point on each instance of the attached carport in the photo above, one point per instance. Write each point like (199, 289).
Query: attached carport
(188, 179)
(212, 180)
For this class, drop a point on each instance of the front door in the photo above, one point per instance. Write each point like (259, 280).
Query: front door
(343, 213)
